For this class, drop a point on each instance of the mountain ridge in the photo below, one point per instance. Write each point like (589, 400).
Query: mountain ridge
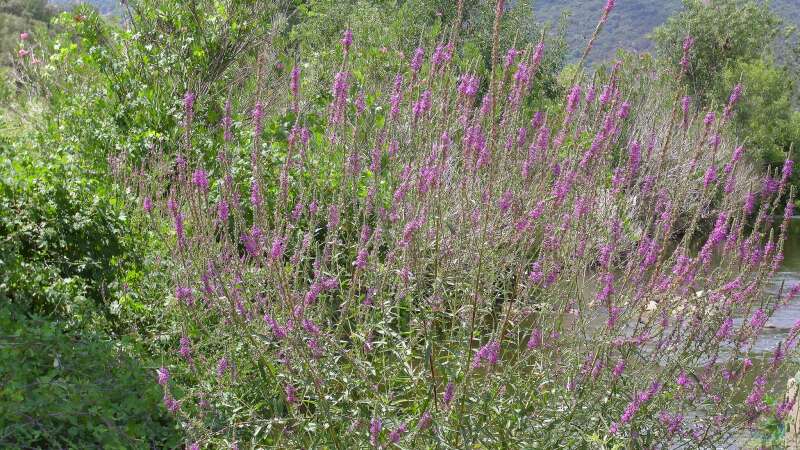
(628, 25)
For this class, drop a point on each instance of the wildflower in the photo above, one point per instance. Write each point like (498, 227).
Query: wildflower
(360, 103)
(468, 85)
(425, 421)
(277, 330)
(538, 52)
(683, 380)
(511, 55)
(416, 59)
(222, 366)
(688, 42)
(375, 430)
(786, 173)
(171, 404)
(535, 340)
(24, 36)
(163, 376)
(252, 241)
(778, 355)
(333, 217)
(255, 194)
(184, 294)
(572, 100)
(396, 434)
(361, 259)
(618, 369)
(685, 102)
(341, 85)
(783, 409)
(396, 98)
(709, 119)
(291, 394)
(316, 351)
(673, 423)
(624, 110)
(792, 294)
(710, 176)
(185, 349)
(505, 201)
(605, 96)
(449, 391)
(758, 319)
(422, 105)
(147, 205)
(608, 288)
(278, 246)
(294, 81)
(630, 411)
(724, 331)
(310, 327)
(227, 122)
(769, 186)
(590, 95)
(755, 399)
(438, 58)
(749, 203)
(188, 105)
(613, 316)
(536, 276)
(200, 180)
(347, 40)
(734, 97)
(489, 353)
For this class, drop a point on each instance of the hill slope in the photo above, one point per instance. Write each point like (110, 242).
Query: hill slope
(628, 25)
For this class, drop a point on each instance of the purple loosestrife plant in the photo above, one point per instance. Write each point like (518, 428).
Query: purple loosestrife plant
(615, 274)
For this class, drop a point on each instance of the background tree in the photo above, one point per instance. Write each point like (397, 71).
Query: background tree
(724, 32)
(740, 41)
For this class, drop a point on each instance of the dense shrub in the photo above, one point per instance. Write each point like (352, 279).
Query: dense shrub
(767, 119)
(62, 240)
(67, 249)
(442, 245)
(441, 262)
(741, 42)
(724, 33)
(69, 390)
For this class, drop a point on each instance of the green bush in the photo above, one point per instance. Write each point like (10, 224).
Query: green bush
(765, 119)
(64, 390)
(724, 32)
(61, 236)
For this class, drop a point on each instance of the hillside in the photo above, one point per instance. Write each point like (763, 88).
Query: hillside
(627, 27)
(104, 6)
(629, 24)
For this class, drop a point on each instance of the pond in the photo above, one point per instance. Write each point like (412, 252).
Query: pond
(788, 275)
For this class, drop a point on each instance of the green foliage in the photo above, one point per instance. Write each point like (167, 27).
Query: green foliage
(66, 390)
(18, 16)
(61, 236)
(384, 29)
(764, 115)
(724, 32)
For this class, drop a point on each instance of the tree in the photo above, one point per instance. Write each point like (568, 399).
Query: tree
(725, 32)
(764, 115)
